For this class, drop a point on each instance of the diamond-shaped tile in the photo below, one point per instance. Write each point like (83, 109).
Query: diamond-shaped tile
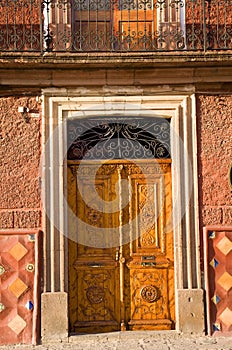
(214, 263)
(29, 305)
(18, 251)
(215, 299)
(225, 281)
(226, 317)
(212, 234)
(216, 327)
(18, 287)
(31, 238)
(17, 324)
(2, 270)
(225, 245)
(2, 307)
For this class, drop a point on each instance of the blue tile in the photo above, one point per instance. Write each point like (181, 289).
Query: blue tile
(211, 234)
(216, 327)
(31, 238)
(29, 305)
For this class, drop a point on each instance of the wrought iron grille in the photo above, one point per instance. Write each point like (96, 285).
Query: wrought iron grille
(115, 25)
(117, 138)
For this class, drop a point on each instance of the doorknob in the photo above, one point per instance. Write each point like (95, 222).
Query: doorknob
(117, 255)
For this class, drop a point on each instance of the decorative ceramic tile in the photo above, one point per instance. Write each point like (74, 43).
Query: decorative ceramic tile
(215, 299)
(211, 234)
(2, 270)
(225, 245)
(29, 305)
(17, 325)
(2, 307)
(226, 317)
(225, 281)
(18, 287)
(219, 284)
(216, 327)
(31, 238)
(214, 263)
(30, 267)
(17, 261)
(18, 251)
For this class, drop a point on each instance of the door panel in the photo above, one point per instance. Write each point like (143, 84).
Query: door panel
(136, 21)
(93, 278)
(129, 285)
(150, 262)
(96, 303)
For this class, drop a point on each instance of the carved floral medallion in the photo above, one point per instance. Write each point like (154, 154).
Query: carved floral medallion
(150, 293)
(95, 294)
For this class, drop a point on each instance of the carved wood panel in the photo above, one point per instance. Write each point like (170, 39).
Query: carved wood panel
(151, 261)
(127, 286)
(93, 279)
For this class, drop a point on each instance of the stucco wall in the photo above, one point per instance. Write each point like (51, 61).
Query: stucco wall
(215, 155)
(20, 156)
(19, 164)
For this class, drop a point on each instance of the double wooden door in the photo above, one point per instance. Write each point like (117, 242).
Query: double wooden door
(114, 25)
(121, 251)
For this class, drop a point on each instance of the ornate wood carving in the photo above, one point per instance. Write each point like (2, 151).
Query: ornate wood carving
(150, 293)
(98, 275)
(95, 294)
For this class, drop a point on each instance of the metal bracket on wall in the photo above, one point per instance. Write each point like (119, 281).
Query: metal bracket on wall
(230, 176)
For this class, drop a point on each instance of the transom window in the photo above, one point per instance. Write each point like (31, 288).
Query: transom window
(134, 138)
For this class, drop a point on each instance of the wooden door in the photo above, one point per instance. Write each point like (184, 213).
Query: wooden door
(92, 26)
(136, 23)
(125, 283)
(114, 25)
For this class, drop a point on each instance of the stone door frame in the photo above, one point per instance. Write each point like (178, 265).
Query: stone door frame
(58, 106)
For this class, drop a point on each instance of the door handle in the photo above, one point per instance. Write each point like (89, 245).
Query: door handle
(117, 255)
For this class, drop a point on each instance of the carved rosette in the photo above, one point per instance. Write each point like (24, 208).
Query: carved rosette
(150, 293)
(94, 216)
(95, 294)
(147, 239)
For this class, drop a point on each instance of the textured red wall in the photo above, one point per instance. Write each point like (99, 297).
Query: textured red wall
(19, 164)
(215, 156)
(20, 24)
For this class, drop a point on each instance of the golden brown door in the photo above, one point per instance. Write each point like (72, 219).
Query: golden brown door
(121, 252)
(136, 23)
(114, 25)
(92, 25)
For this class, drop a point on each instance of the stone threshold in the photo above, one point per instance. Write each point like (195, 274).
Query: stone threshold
(127, 335)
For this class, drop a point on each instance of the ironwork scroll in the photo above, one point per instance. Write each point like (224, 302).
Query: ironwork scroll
(135, 138)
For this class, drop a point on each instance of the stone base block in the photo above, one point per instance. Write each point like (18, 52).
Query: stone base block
(190, 315)
(54, 317)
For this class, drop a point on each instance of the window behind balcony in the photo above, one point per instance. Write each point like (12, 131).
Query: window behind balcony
(117, 25)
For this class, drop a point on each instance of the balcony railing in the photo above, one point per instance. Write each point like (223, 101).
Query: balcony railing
(115, 25)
